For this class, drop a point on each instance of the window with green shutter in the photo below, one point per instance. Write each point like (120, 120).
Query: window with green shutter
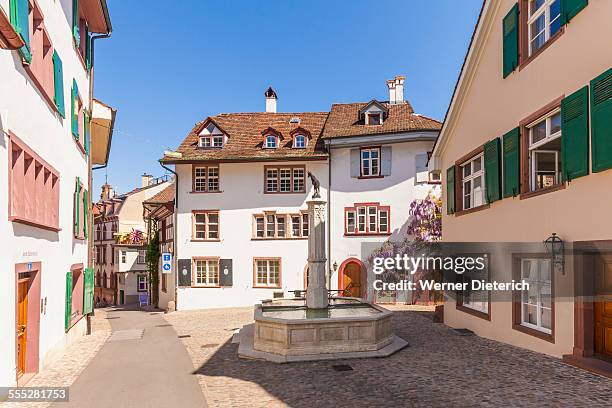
(450, 190)
(88, 290)
(77, 204)
(569, 9)
(575, 134)
(511, 41)
(20, 20)
(87, 137)
(492, 170)
(511, 151)
(88, 50)
(75, 22)
(601, 121)
(58, 84)
(75, 109)
(85, 213)
(68, 309)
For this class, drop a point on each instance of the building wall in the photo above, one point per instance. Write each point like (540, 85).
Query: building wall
(493, 106)
(241, 197)
(397, 191)
(26, 113)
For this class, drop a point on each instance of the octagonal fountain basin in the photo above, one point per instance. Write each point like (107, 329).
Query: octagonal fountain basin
(286, 327)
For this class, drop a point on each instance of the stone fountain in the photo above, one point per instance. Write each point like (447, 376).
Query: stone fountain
(318, 327)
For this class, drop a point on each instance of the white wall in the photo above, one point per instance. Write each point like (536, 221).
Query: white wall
(241, 197)
(24, 111)
(397, 191)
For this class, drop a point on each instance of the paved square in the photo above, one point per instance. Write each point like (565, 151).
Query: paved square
(440, 368)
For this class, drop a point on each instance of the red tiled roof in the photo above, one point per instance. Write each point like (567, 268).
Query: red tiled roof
(244, 138)
(344, 120)
(164, 196)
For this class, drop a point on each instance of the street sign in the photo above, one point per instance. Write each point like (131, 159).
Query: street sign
(166, 262)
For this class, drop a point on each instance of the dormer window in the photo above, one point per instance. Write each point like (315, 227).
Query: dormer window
(211, 137)
(271, 142)
(373, 118)
(299, 142)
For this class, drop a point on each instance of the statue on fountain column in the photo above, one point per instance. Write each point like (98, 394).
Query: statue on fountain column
(315, 184)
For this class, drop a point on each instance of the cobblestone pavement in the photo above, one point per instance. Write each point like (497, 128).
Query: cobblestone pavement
(439, 369)
(63, 372)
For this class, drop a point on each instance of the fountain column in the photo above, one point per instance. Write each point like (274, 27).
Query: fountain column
(316, 294)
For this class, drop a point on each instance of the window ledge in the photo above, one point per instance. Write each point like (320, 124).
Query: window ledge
(472, 210)
(529, 194)
(267, 287)
(533, 332)
(206, 240)
(284, 192)
(205, 192)
(368, 234)
(279, 239)
(547, 44)
(370, 177)
(473, 312)
(205, 287)
(23, 220)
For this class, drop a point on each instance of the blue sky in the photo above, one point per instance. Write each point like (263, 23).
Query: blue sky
(169, 65)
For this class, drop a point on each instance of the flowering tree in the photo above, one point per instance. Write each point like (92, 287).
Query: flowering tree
(423, 232)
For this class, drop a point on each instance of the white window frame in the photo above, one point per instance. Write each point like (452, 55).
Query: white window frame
(533, 147)
(269, 139)
(367, 219)
(369, 118)
(142, 257)
(266, 263)
(470, 178)
(209, 276)
(144, 281)
(367, 169)
(540, 283)
(285, 180)
(300, 145)
(532, 17)
(208, 177)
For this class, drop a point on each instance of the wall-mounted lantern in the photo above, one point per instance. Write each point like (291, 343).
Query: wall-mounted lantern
(555, 247)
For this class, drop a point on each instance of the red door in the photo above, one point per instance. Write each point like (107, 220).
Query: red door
(603, 307)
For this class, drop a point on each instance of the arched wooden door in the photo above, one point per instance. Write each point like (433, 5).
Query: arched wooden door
(351, 280)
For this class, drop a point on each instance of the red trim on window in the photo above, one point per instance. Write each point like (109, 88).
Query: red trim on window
(367, 232)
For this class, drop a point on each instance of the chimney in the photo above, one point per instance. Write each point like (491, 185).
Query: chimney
(107, 191)
(271, 99)
(396, 89)
(146, 180)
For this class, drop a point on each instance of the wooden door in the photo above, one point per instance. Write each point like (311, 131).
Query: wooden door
(352, 280)
(603, 306)
(22, 324)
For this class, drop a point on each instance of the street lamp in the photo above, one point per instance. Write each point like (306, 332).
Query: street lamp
(555, 246)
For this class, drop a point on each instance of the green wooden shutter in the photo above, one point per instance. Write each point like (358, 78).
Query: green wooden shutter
(75, 109)
(85, 213)
(511, 40)
(601, 121)
(77, 203)
(492, 170)
(512, 168)
(86, 138)
(75, 22)
(88, 290)
(58, 81)
(20, 20)
(450, 190)
(88, 50)
(68, 310)
(569, 8)
(575, 134)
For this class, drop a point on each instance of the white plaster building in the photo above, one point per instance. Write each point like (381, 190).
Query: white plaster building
(240, 224)
(119, 260)
(46, 71)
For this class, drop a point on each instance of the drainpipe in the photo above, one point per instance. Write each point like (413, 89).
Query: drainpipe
(329, 185)
(89, 167)
(175, 231)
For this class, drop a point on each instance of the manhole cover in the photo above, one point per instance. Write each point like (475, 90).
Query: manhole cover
(342, 367)
(182, 336)
(210, 345)
(464, 332)
(133, 334)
